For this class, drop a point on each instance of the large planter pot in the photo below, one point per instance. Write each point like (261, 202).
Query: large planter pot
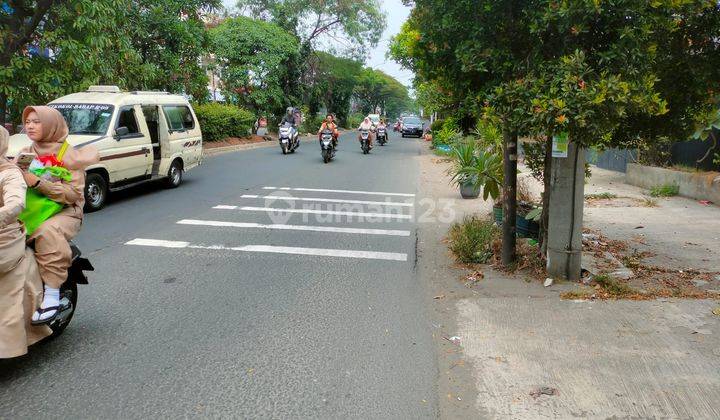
(523, 227)
(527, 228)
(469, 191)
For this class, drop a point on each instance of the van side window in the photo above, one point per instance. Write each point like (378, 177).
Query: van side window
(151, 118)
(127, 119)
(179, 117)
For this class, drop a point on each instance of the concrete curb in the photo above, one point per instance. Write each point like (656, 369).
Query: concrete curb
(242, 147)
(700, 186)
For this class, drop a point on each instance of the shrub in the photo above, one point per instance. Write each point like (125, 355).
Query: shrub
(451, 123)
(354, 120)
(667, 190)
(311, 124)
(447, 135)
(471, 240)
(437, 125)
(218, 121)
(489, 136)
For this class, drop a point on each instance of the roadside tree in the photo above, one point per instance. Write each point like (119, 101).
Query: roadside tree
(253, 59)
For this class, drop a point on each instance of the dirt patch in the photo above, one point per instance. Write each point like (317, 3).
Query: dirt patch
(234, 141)
(647, 281)
(614, 202)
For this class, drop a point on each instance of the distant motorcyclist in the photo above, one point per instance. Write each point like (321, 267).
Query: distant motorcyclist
(382, 126)
(289, 117)
(367, 125)
(329, 124)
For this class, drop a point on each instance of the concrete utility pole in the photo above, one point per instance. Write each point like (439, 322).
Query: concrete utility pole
(567, 182)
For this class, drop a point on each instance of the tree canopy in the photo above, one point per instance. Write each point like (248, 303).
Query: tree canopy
(356, 25)
(253, 58)
(335, 82)
(51, 48)
(376, 90)
(560, 62)
(170, 36)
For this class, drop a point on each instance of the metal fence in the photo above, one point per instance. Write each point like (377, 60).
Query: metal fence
(612, 159)
(685, 153)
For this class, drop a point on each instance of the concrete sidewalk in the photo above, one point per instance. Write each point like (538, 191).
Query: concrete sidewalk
(648, 359)
(509, 348)
(681, 233)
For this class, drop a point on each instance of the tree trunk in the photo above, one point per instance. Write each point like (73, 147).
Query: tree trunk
(509, 197)
(545, 219)
(3, 109)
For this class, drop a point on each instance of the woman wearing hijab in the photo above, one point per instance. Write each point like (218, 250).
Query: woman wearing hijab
(367, 125)
(12, 255)
(48, 130)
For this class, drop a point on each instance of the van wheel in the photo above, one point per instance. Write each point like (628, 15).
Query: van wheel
(96, 191)
(175, 174)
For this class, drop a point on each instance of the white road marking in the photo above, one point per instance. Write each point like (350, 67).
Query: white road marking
(340, 253)
(295, 227)
(311, 211)
(332, 200)
(341, 191)
(158, 243)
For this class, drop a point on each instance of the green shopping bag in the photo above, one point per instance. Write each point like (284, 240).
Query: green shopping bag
(39, 208)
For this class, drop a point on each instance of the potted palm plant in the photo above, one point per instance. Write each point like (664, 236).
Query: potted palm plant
(463, 155)
(477, 170)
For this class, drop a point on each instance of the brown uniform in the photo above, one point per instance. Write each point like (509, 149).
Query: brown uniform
(52, 250)
(20, 291)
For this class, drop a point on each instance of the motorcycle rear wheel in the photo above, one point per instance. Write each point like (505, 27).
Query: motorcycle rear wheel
(69, 290)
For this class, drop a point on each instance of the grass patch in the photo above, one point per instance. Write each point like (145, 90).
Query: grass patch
(667, 190)
(471, 240)
(686, 168)
(613, 287)
(648, 202)
(576, 295)
(601, 196)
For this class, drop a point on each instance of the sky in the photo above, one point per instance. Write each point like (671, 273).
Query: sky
(396, 14)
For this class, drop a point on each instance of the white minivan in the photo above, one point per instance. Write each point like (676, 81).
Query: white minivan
(141, 136)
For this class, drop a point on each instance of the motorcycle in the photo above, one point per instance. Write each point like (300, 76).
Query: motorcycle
(365, 141)
(68, 291)
(327, 148)
(381, 136)
(289, 138)
(396, 127)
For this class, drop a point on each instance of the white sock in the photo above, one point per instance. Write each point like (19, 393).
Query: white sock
(51, 297)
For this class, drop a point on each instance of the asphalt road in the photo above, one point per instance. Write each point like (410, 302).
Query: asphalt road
(238, 312)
